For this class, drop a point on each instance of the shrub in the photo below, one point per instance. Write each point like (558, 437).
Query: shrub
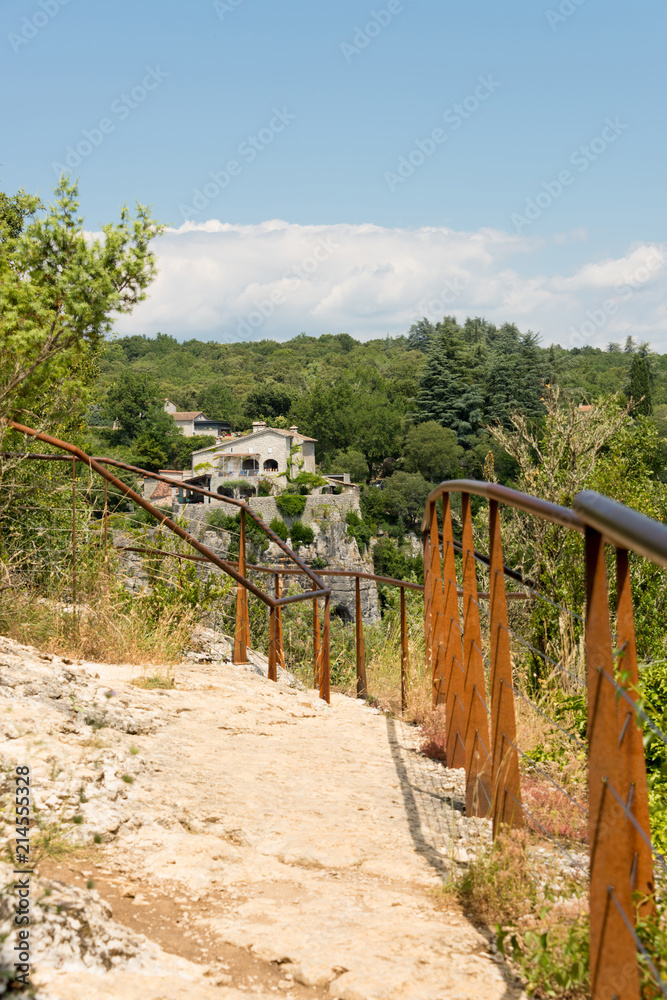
(290, 504)
(218, 519)
(319, 563)
(264, 488)
(301, 534)
(278, 526)
(358, 529)
(389, 560)
(310, 480)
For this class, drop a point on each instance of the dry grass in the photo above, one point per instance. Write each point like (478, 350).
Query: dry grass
(498, 887)
(108, 627)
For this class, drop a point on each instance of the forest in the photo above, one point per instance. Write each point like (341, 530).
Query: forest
(365, 401)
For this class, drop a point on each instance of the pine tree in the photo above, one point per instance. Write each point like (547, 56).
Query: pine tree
(444, 393)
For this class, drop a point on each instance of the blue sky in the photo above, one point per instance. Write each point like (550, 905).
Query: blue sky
(568, 88)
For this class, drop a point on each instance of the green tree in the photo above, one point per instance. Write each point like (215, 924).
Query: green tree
(432, 450)
(267, 402)
(59, 291)
(639, 385)
(351, 461)
(130, 399)
(404, 495)
(217, 401)
(444, 393)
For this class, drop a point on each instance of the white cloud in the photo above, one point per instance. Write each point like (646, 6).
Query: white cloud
(225, 282)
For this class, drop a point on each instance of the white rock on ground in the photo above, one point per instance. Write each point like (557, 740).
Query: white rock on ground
(309, 838)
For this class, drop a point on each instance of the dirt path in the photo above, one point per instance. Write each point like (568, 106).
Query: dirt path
(278, 846)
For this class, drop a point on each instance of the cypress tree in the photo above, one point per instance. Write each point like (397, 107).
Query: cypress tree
(639, 385)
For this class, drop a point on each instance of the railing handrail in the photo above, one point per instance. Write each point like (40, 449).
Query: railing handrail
(176, 483)
(95, 464)
(621, 858)
(543, 509)
(622, 526)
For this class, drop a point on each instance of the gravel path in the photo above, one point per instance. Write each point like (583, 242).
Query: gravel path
(254, 841)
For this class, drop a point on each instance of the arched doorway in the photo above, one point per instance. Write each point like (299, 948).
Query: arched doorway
(270, 465)
(345, 615)
(224, 491)
(250, 466)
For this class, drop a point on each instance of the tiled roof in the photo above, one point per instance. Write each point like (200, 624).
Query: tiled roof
(276, 430)
(161, 492)
(188, 415)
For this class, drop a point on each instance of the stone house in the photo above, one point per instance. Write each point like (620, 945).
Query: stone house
(194, 422)
(267, 452)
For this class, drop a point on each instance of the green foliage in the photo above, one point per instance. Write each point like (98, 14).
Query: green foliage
(358, 529)
(447, 391)
(639, 386)
(218, 519)
(552, 962)
(301, 534)
(310, 480)
(431, 450)
(130, 399)
(268, 401)
(264, 488)
(280, 528)
(404, 495)
(290, 504)
(319, 563)
(653, 701)
(390, 560)
(352, 461)
(59, 290)
(216, 400)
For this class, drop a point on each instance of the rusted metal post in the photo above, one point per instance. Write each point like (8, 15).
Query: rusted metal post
(455, 712)
(317, 645)
(428, 624)
(613, 958)
(630, 739)
(325, 680)
(405, 655)
(362, 689)
(106, 517)
(74, 537)
(505, 779)
(273, 644)
(242, 633)
(279, 634)
(437, 613)
(478, 747)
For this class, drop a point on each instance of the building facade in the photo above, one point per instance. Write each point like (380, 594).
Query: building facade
(193, 422)
(264, 453)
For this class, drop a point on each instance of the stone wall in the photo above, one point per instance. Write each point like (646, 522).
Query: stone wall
(326, 516)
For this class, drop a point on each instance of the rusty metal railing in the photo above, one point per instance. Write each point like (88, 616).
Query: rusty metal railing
(481, 725)
(238, 573)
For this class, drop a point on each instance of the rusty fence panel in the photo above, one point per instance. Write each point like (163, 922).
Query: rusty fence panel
(622, 886)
